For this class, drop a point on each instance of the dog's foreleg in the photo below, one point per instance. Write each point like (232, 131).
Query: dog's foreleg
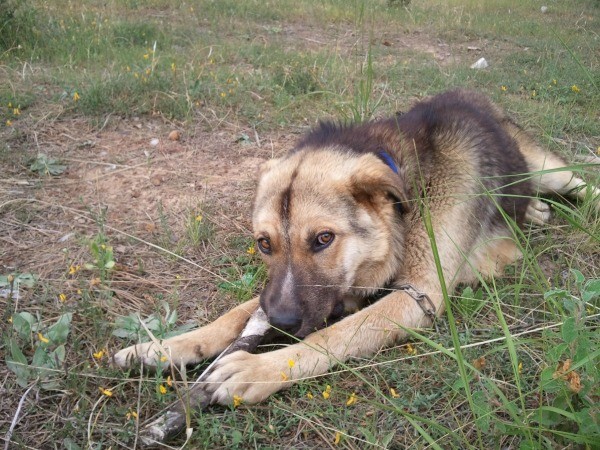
(253, 377)
(192, 347)
(173, 421)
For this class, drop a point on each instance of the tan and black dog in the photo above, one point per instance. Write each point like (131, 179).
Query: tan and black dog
(352, 210)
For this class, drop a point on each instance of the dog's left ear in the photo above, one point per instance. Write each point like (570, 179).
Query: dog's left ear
(373, 181)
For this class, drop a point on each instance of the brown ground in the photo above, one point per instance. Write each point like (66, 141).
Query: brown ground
(46, 222)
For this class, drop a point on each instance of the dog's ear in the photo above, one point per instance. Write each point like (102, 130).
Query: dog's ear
(267, 165)
(373, 181)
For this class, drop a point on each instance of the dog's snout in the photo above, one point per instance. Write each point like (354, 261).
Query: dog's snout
(284, 320)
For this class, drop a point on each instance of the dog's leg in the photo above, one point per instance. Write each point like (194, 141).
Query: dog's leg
(253, 377)
(192, 347)
(537, 212)
(554, 178)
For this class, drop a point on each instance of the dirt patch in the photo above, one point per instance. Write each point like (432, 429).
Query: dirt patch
(138, 182)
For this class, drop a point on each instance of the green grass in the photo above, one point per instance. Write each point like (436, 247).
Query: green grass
(75, 72)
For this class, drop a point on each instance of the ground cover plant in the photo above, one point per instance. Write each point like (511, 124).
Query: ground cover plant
(130, 134)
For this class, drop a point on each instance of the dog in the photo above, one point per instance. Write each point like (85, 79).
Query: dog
(364, 227)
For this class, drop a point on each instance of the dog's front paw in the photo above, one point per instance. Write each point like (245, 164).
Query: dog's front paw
(148, 354)
(246, 377)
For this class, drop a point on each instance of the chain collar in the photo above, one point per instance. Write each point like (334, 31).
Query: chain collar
(423, 300)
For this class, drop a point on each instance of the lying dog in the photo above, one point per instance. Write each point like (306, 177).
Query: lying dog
(356, 211)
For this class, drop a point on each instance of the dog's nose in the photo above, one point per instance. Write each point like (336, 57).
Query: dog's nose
(284, 321)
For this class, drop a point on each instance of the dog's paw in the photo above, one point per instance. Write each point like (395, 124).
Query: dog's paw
(537, 212)
(246, 377)
(147, 354)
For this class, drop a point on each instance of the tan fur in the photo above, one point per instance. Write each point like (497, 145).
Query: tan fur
(325, 187)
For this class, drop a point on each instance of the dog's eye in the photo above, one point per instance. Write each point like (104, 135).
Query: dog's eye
(323, 240)
(264, 245)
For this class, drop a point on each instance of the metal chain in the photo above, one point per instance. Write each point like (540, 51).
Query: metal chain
(423, 300)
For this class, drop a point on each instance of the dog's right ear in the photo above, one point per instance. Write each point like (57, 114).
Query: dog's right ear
(264, 167)
(374, 181)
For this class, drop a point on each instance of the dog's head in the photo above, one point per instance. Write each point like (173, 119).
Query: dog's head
(327, 225)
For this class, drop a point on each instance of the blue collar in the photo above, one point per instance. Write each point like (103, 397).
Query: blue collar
(387, 159)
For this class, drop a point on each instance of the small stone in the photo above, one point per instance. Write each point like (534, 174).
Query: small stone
(544, 9)
(174, 135)
(480, 64)
(154, 142)
(156, 180)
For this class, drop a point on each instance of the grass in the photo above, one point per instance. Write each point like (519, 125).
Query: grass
(129, 235)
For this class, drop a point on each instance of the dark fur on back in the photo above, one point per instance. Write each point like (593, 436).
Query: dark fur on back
(418, 141)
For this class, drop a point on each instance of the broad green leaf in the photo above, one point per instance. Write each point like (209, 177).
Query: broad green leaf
(568, 330)
(579, 278)
(17, 363)
(59, 332)
(22, 324)
(591, 291)
(482, 410)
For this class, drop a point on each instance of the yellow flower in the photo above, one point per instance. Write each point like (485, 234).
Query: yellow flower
(8, 123)
(106, 392)
(73, 269)
(291, 363)
(520, 367)
(10, 104)
(309, 396)
(79, 292)
(169, 381)
(131, 414)
(337, 439)
(533, 93)
(574, 88)
(148, 71)
(164, 358)
(128, 69)
(554, 81)
(62, 298)
(173, 67)
(146, 56)
(503, 88)
(237, 401)
(76, 97)
(327, 392)
(284, 377)
(223, 95)
(394, 393)
(16, 111)
(162, 389)
(251, 250)
(42, 338)
(98, 354)
(10, 319)
(352, 399)
(410, 349)
(199, 218)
